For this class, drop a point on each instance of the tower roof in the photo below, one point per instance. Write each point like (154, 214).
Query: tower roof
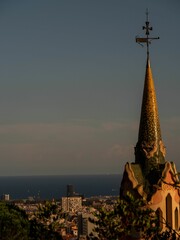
(149, 151)
(149, 128)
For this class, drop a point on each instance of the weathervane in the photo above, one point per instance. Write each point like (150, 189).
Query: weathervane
(147, 40)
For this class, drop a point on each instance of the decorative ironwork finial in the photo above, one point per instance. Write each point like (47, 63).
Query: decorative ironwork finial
(147, 40)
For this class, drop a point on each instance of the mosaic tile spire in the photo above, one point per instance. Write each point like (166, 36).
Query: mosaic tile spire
(149, 151)
(149, 129)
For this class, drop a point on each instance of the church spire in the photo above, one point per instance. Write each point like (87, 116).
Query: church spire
(149, 151)
(149, 128)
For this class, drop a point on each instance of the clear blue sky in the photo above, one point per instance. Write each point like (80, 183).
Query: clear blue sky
(71, 82)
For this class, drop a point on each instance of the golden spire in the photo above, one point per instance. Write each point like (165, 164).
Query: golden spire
(149, 151)
(149, 128)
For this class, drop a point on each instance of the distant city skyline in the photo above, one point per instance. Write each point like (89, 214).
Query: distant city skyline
(72, 79)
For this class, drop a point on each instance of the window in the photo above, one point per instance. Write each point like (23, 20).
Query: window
(176, 218)
(169, 210)
(160, 217)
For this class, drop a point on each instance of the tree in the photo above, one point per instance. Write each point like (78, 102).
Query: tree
(14, 224)
(46, 222)
(39, 232)
(129, 216)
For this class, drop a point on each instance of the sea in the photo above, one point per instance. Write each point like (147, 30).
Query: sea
(55, 187)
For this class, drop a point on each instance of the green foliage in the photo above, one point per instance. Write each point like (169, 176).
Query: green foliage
(129, 216)
(46, 222)
(14, 224)
(39, 232)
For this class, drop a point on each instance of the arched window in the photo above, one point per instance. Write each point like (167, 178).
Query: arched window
(160, 217)
(169, 210)
(176, 218)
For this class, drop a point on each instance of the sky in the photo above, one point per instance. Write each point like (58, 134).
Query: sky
(71, 83)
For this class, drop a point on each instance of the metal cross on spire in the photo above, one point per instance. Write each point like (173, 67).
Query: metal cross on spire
(147, 40)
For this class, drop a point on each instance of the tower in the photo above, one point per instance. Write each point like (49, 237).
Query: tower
(70, 190)
(151, 177)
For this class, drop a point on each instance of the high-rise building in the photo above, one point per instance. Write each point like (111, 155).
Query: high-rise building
(5, 197)
(85, 227)
(151, 177)
(70, 190)
(71, 204)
